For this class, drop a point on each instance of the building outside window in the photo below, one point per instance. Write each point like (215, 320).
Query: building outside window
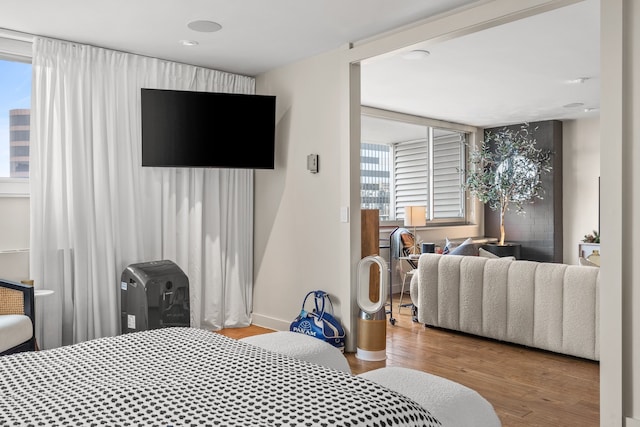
(19, 122)
(375, 178)
(15, 118)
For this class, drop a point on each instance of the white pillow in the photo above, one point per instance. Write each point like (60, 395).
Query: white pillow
(448, 246)
(585, 262)
(485, 253)
(466, 248)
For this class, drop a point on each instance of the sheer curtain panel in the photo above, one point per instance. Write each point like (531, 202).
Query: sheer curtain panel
(95, 210)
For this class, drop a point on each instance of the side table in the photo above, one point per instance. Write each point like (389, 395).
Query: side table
(41, 293)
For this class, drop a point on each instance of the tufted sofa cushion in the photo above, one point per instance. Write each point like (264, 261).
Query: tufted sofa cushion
(544, 305)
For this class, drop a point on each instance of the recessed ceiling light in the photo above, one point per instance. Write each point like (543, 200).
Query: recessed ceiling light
(204, 26)
(589, 109)
(573, 105)
(415, 54)
(188, 42)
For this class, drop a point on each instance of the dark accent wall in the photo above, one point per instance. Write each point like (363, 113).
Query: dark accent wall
(539, 229)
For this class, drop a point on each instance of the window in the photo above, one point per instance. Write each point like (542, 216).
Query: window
(20, 120)
(405, 161)
(15, 104)
(15, 120)
(18, 135)
(20, 151)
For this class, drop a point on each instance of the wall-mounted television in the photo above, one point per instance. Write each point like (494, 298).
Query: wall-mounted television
(207, 129)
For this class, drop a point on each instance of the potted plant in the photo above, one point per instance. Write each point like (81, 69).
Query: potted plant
(592, 238)
(505, 170)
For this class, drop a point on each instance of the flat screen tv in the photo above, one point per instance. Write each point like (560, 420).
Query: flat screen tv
(207, 129)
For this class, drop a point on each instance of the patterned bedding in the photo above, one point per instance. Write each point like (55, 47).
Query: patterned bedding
(189, 377)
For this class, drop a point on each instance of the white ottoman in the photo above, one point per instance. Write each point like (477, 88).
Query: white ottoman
(302, 347)
(453, 404)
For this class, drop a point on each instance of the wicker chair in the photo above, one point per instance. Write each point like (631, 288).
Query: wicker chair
(17, 318)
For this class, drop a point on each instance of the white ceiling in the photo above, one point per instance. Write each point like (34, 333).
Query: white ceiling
(512, 73)
(256, 35)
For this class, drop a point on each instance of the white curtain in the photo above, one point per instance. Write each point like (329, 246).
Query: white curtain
(95, 210)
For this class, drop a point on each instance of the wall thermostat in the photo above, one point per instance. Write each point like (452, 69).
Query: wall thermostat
(312, 163)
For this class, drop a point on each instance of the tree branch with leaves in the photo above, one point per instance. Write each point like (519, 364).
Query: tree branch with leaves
(505, 170)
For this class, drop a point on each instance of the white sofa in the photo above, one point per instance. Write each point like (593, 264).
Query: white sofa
(549, 306)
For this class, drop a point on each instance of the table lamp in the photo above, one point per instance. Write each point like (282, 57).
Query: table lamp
(415, 216)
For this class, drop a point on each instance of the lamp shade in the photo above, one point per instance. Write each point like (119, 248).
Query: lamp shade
(415, 216)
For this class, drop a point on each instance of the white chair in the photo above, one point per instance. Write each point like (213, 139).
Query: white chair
(407, 274)
(402, 247)
(17, 318)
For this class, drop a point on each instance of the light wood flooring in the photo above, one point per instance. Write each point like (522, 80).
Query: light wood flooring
(526, 387)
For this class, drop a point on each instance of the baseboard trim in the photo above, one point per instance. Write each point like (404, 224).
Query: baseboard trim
(270, 322)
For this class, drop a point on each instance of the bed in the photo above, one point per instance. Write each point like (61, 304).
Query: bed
(190, 377)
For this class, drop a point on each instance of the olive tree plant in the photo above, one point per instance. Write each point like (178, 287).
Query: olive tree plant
(505, 170)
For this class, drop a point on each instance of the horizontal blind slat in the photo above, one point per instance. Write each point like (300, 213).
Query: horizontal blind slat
(411, 175)
(447, 181)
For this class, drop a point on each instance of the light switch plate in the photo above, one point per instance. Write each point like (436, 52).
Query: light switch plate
(312, 163)
(344, 214)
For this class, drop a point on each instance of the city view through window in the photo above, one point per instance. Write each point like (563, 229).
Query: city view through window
(15, 104)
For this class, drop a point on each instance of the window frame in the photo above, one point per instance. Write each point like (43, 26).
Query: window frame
(472, 133)
(15, 46)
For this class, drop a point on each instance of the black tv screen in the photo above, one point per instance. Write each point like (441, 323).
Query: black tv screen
(207, 129)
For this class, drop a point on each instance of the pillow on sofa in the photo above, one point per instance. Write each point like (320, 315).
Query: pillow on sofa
(486, 254)
(447, 246)
(466, 248)
(585, 262)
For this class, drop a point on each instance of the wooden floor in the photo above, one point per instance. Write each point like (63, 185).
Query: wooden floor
(526, 387)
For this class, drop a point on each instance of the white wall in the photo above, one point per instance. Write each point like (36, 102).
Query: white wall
(620, 213)
(14, 232)
(580, 173)
(300, 243)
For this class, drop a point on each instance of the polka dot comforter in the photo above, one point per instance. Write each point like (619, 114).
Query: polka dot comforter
(189, 377)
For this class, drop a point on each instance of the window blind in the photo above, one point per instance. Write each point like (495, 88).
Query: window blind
(448, 196)
(411, 172)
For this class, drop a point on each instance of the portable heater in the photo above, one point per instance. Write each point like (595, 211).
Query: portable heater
(154, 295)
